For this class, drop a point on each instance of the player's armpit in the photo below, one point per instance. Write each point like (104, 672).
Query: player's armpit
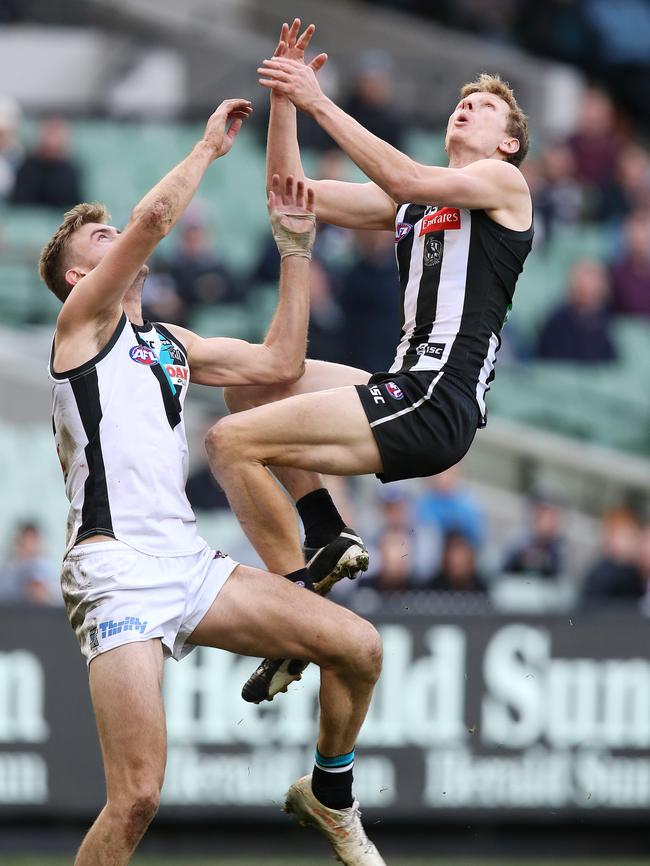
(353, 205)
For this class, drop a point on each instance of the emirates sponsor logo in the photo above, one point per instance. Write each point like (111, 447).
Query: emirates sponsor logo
(442, 220)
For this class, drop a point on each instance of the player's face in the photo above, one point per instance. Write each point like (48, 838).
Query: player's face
(91, 243)
(479, 121)
(88, 247)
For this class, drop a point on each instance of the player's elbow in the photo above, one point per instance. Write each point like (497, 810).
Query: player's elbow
(400, 185)
(154, 218)
(287, 373)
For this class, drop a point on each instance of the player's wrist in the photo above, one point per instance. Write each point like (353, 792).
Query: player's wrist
(320, 106)
(205, 148)
(295, 255)
(292, 243)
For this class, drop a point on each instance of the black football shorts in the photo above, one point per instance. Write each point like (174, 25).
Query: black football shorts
(423, 422)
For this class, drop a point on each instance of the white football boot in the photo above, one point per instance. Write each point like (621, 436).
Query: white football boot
(342, 827)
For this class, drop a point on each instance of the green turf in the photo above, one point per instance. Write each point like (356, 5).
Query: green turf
(394, 861)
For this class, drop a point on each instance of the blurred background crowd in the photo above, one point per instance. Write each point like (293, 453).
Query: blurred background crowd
(576, 352)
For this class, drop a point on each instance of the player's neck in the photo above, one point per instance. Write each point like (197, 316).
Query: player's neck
(464, 156)
(460, 160)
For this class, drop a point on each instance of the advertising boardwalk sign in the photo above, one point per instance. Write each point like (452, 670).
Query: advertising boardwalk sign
(481, 717)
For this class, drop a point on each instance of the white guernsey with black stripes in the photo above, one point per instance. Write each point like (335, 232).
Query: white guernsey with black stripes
(120, 436)
(458, 269)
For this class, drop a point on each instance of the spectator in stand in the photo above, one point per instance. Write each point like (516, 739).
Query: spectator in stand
(540, 552)
(11, 151)
(393, 558)
(199, 274)
(458, 571)
(579, 330)
(368, 299)
(449, 505)
(615, 576)
(597, 142)
(326, 321)
(160, 299)
(49, 176)
(631, 188)
(630, 274)
(29, 576)
(395, 511)
(559, 198)
(372, 100)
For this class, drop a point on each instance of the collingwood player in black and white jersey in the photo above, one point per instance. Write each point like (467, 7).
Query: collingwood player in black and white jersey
(139, 583)
(462, 235)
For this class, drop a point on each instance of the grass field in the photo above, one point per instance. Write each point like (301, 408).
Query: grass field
(155, 861)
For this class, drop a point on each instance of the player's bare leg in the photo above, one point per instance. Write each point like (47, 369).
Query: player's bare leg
(319, 432)
(332, 550)
(125, 689)
(318, 376)
(286, 622)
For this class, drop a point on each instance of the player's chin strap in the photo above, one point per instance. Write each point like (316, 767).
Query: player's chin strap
(292, 243)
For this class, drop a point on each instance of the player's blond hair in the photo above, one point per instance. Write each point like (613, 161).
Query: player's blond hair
(517, 121)
(54, 260)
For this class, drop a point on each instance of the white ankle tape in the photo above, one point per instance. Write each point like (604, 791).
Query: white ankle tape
(290, 243)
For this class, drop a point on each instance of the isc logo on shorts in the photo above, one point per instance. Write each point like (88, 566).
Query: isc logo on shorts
(143, 355)
(394, 391)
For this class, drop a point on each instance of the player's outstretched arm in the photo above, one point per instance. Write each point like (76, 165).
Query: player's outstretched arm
(487, 184)
(351, 205)
(281, 357)
(97, 295)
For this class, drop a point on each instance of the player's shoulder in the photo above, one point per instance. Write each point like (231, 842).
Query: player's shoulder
(499, 168)
(180, 334)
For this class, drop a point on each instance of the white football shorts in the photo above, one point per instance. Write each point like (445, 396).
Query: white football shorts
(115, 595)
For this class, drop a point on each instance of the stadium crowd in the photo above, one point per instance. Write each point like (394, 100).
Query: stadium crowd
(430, 537)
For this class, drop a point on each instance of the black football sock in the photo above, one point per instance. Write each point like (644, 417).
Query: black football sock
(320, 518)
(331, 780)
(301, 578)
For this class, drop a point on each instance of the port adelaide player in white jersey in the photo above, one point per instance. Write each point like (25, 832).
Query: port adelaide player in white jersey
(139, 583)
(462, 234)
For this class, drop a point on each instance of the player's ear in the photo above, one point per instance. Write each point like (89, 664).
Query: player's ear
(73, 275)
(509, 146)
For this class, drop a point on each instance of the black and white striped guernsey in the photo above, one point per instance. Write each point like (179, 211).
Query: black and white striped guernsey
(458, 269)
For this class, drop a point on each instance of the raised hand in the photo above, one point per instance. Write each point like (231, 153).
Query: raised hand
(293, 46)
(221, 136)
(293, 79)
(293, 216)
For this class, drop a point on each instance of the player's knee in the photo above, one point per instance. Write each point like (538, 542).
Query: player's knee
(223, 441)
(361, 651)
(138, 809)
(371, 652)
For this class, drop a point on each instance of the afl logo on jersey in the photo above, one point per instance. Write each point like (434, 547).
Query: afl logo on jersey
(394, 390)
(143, 355)
(401, 231)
